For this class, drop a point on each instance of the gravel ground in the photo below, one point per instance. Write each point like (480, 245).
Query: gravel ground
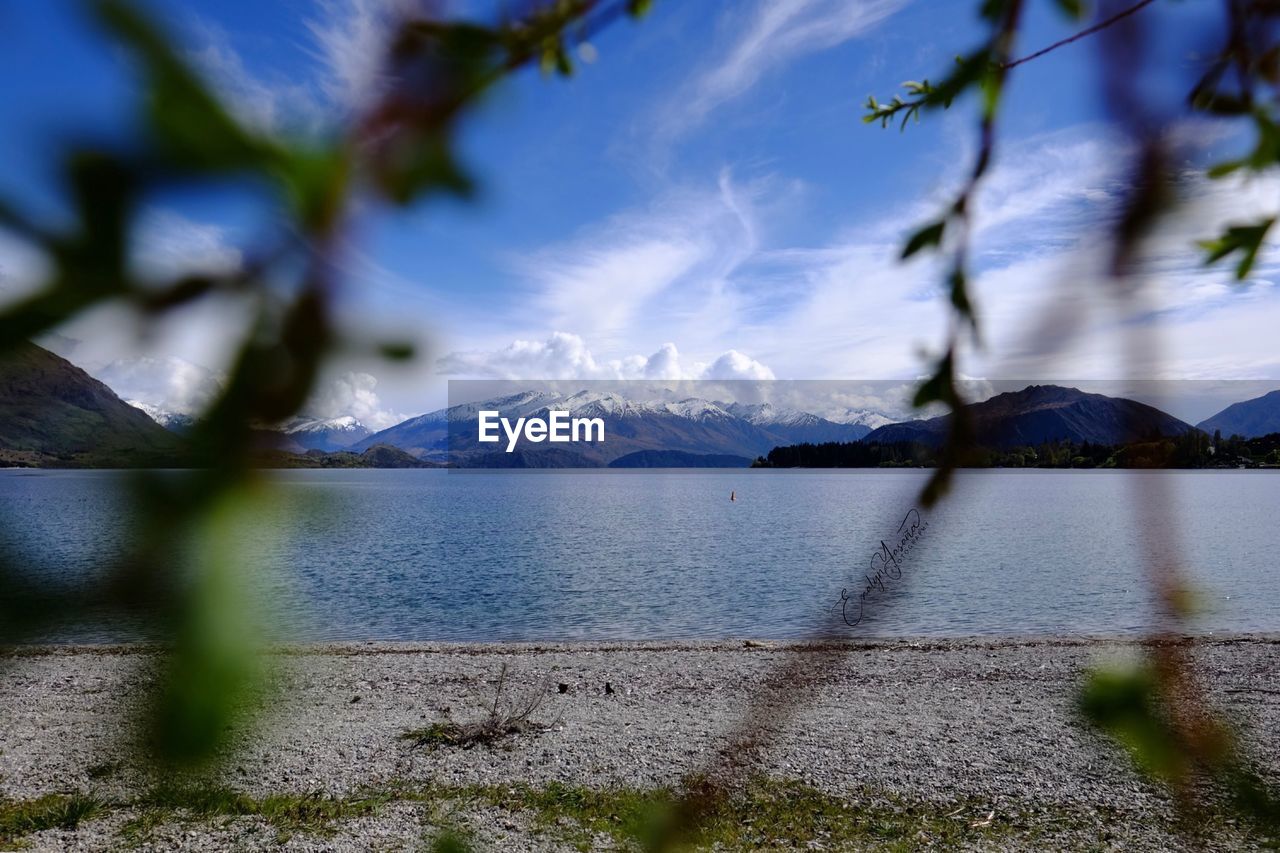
(931, 722)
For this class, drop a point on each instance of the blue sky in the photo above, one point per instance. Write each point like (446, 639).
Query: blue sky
(702, 200)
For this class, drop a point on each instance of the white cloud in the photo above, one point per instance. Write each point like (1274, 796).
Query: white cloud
(168, 245)
(350, 38)
(566, 356)
(699, 268)
(267, 106)
(657, 272)
(735, 365)
(772, 34)
(167, 382)
(353, 393)
(23, 269)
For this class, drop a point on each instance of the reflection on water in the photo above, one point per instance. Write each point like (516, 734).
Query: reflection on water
(528, 555)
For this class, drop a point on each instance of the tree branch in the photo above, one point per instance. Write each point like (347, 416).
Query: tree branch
(1085, 33)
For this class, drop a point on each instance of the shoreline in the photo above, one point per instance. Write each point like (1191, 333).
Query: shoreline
(921, 642)
(885, 731)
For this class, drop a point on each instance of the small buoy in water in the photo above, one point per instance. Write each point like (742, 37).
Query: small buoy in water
(733, 496)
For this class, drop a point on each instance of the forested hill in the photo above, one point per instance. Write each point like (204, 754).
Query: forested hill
(1191, 450)
(53, 413)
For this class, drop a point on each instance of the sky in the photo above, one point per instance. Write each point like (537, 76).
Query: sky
(700, 201)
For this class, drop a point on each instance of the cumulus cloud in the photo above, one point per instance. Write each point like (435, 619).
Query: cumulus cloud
(735, 365)
(175, 385)
(167, 382)
(353, 393)
(566, 356)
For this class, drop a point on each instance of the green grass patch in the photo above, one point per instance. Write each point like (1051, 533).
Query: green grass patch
(287, 813)
(768, 813)
(577, 814)
(52, 811)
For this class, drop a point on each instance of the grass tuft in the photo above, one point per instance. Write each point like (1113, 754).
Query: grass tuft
(52, 811)
(288, 813)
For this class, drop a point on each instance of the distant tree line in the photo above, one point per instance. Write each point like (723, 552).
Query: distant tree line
(1194, 449)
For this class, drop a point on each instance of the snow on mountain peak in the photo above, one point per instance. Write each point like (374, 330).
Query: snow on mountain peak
(766, 414)
(164, 417)
(866, 417)
(696, 409)
(342, 423)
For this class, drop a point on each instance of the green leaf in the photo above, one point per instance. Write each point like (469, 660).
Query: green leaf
(1126, 704)
(1073, 9)
(960, 298)
(396, 350)
(413, 164)
(639, 8)
(994, 10)
(1226, 168)
(316, 183)
(1246, 239)
(929, 235)
(938, 388)
(969, 70)
(214, 665)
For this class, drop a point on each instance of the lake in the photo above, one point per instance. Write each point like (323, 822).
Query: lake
(421, 555)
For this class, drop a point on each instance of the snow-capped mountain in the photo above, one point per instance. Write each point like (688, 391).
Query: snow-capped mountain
(697, 410)
(797, 426)
(864, 417)
(688, 425)
(513, 405)
(326, 434)
(768, 414)
(172, 421)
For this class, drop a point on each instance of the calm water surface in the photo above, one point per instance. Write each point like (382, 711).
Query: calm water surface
(528, 555)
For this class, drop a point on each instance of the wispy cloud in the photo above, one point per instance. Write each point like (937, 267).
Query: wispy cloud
(168, 245)
(266, 103)
(669, 262)
(350, 44)
(761, 40)
(702, 269)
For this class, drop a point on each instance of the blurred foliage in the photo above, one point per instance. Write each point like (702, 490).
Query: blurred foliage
(183, 569)
(1157, 711)
(1242, 83)
(1133, 706)
(982, 71)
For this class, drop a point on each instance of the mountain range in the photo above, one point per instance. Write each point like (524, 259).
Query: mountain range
(689, 426)
(1249, 419)
(1044, 413)
(53, 413)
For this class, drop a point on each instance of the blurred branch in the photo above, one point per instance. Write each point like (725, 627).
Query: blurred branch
(398, 149)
